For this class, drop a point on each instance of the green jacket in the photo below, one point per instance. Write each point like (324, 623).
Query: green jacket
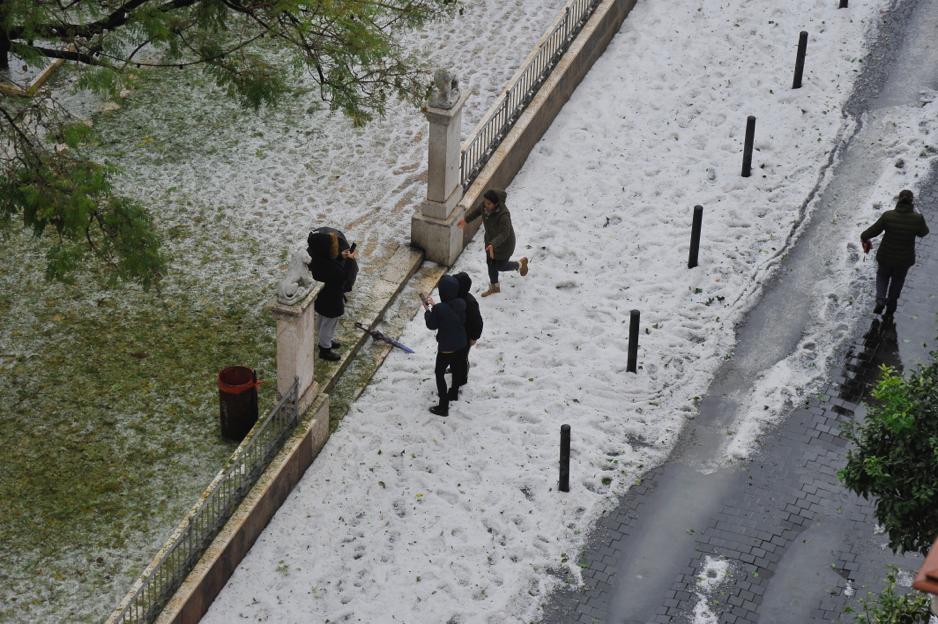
(901, 225)
(498, 231)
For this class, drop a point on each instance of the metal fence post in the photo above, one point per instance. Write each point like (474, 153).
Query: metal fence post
(507, 107)
(695, 237)
(564, 485)
(632, 364)
(799, 59)
(747, 147)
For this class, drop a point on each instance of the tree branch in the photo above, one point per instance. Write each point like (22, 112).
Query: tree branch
(69, 55)
(118, 17)
(18, 131)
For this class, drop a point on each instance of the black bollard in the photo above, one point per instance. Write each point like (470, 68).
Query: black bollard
(632, 365)
(564, 458)
(695, 237)
(799, 60)
(843, 4)
(747, 148)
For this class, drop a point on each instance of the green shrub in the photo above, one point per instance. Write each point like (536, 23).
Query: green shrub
(891, 608)
(896, 457)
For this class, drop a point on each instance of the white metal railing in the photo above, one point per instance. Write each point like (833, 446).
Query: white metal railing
(519, 94)
(166, 573)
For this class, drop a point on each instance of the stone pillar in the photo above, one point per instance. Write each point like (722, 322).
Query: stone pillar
(433, 226)
(296, 346)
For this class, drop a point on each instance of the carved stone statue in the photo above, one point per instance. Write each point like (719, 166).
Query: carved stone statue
(446, 92)
(298, 281)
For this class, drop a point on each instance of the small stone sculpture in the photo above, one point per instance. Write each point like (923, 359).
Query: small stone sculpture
(447, 89)
(298, 281)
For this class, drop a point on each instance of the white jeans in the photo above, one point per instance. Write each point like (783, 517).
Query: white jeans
(325, 328)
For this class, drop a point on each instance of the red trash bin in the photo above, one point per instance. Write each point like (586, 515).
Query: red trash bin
(237, 395)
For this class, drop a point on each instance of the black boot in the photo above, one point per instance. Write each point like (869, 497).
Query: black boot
(336, 344)
(440, 410)
(329, 355)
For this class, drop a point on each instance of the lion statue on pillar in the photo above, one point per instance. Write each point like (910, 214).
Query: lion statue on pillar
(446, 89)
(298, 280)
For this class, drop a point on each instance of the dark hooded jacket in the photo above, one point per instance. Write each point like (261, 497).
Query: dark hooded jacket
(473, 316)
(327, 266)
(498, 230)
(448, 317)
(350, 265)
(901, 226)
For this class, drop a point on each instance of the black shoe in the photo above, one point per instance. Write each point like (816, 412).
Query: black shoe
(453, 394)
(440, 410)
(879, 307)
(329, 355)
(336, 344)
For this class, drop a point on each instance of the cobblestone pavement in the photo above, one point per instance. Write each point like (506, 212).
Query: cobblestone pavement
(800, 548)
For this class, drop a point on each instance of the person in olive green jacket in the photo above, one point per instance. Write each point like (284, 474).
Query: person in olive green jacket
(896, 254)
(499, 237)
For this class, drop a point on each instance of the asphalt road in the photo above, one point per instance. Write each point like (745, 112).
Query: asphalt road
(799, 545)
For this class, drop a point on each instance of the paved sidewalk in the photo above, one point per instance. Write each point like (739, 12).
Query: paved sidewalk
(800, 547)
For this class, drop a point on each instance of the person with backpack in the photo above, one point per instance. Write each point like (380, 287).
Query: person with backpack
(473, 331)
(896, 254)
(499, 237)
(448, 318)
(334, 263)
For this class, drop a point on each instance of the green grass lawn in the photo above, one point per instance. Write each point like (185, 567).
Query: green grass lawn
(110, 422)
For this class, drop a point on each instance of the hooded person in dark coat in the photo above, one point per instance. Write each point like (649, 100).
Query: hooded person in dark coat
(334, 264)
(499, 237)
(448, 318)
(473, 331)
(896, 254)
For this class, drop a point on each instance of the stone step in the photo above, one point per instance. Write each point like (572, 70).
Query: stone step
(364, 356)
(370, 304)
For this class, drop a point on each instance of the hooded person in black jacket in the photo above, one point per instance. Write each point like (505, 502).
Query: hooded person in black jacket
(473, 331)
(449, 319)
(334, 264)
(896, 254)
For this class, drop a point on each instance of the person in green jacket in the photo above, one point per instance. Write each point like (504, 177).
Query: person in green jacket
(499, 237)
(896, 254)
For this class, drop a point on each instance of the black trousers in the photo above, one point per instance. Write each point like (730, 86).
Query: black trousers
(463, 379)
(456, 363)
(495, 266)
(889, 282)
